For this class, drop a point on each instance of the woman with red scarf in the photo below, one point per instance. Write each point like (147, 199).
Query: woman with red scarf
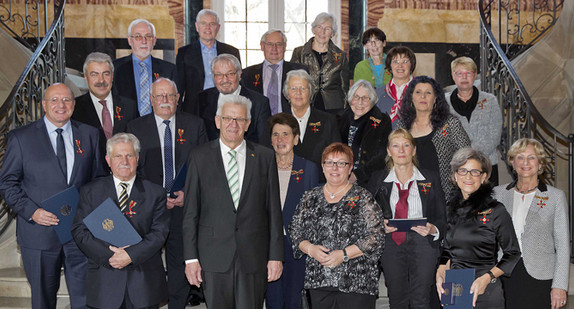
(402, 62)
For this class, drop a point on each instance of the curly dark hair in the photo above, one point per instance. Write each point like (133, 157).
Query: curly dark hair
(440, 111)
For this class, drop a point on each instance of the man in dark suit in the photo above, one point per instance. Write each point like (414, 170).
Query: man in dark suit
(161, 157)
(193, 61)
(226, 75)
(132, 276)
(135, 73)
(100, 107)
(43, 158)
(232, 226)
(264, 77)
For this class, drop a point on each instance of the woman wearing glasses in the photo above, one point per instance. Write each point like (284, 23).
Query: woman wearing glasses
(327, 63)
(365, 129)
(402, 62)
(478, 111)
(405, 192)
(339, 226)
(373, 69)
(478, 228)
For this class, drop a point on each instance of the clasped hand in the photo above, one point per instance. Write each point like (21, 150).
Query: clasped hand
(121, 258)
(325, 256)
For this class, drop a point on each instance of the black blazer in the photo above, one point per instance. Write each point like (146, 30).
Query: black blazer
(430, 191)
(252, 78)
(144, 128)
(124, 79)
(213, 230)
(321, 132)
(260, 112)
(144, 278)
(191, 74)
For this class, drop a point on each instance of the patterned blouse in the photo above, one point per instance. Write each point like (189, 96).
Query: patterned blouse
(355, 220)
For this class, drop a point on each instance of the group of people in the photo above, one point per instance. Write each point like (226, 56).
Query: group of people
(291, 181)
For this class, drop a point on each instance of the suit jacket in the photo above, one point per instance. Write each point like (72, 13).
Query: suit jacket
(430, 192)
(191, 75)
(252, 78)
(124, 79)
(545, 240)
(321, 132)
(213, 230)
(124, 110)
(144, 278)
(260, 112)
(145, 129)
(31, 173)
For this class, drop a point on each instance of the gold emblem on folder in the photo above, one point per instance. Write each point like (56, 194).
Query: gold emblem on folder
(108, 225)
(66, 210)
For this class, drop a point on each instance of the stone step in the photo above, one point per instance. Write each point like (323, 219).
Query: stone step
(25, 303)
(14, 284)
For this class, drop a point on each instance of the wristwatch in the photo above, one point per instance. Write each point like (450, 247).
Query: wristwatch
(345, 256)
(492, 277)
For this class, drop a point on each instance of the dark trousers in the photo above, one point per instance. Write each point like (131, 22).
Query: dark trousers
(177, 283)
(234, 289)
(43, 270)
(523, 291)
(127, 304)
(333, 299)
(285, 293)
(409, 271)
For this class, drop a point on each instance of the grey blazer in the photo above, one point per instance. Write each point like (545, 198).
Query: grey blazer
(545, 240)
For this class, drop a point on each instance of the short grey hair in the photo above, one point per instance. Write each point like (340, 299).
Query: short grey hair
(99, 58)
(227, 57)
(283, 36)
(206, 12)
(301, 74)
(139, 21)
(324, 17)
(123, 138)
(368, 86)
(468, 153)
(163, 79)
(233, 99)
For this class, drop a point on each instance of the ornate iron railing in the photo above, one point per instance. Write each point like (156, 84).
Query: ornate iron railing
(521, 117)
(23, 105)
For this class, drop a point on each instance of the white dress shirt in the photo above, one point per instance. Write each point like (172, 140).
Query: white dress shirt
(119, 188)
(161, 133)
(519, 213)
(267, 71)
(99, 108)
(302, 122)
(240, 156)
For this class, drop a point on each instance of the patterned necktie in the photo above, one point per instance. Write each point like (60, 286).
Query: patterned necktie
(168, 157)
(272, 91)
(233, 177)
(401, 212)
(61, 152)
(123, 196)
(106, 120)
(144, 106)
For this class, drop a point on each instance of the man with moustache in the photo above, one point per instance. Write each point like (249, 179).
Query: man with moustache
(135, 73)
(166, 138)
(193, 61)
(101, 107)
(42, 159)
(226, 70)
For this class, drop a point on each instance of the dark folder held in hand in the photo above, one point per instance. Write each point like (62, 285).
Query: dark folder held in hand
(64, 205)
(457, 289)
(179, 181)
(107, 223)
(404, 225)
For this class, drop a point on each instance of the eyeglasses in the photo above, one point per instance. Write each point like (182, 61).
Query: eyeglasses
(227, 75)
(55, 100)
(373, 42)
(138, 37)
(473, 172)
(228, 120)
(294, 89)
(461, 74)
(169, 97)
(321, 28)
(364, 99)
(400, 61)
(276, 45)
(340, 164)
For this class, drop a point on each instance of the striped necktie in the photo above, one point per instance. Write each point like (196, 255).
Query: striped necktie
(233, 177)
(123, 196)
(144, 106)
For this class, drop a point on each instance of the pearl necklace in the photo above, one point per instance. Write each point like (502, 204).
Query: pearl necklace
(286, 167)
(332, 195)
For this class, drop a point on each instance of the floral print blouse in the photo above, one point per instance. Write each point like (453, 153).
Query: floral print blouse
(355, 220)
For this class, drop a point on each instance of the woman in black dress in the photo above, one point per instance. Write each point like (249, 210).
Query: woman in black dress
(478, 227)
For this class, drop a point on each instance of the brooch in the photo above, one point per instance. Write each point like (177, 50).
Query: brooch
(297, 173)
(484, 219)
(315, 125)
(376, 122)
(541, 200)
(337, 56)
(443, 131)
(131, 212)
(118, 116)
(79, 150)
(180, 139)
(351, 201)
(257, 82)
(481, 104)
(425, 186)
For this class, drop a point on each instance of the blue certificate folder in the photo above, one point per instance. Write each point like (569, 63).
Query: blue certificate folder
(107, 223)
(404, 225)
(458, 296)
(64, 205)
(179, 181)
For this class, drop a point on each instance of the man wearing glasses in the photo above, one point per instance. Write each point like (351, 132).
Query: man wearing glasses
(268, 77)
(232, 225)
(226, 70)
(166, 138)
(135, 73)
